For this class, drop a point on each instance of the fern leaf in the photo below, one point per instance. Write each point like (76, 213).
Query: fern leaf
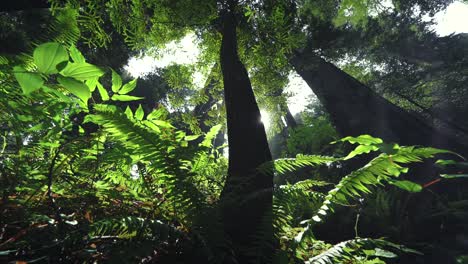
(352, 249)
(282, 166)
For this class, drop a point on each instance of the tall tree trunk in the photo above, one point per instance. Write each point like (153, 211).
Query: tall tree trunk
(247, 195)
(356, 109)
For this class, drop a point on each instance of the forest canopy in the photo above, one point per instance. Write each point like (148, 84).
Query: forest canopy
(99, 167)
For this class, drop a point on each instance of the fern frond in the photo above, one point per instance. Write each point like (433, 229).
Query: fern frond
(354, 249)
(292, 202)
(282, 166)
(378, 171)
(64, 27)
(158, 150)
(129, 227)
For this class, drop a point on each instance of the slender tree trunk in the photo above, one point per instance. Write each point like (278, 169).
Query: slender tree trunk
(247, 195)
(290, 121)
(356, 109)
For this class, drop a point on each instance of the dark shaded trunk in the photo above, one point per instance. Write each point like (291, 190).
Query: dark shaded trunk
(18, 5)
(278, 143)
(434, 114)
(436, 51)
(246, 199)
(290, 121)
(355, 109)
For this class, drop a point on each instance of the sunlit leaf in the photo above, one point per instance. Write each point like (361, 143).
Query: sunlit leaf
(76, 87)
(362, 139)
(125, 98)
(361, 149)
(92, 83)
(82, 71)
(116, 81)
(152, 126)
(28, 81)
(128, 87)
(76, 55)
(47, 56)
(139, 113)
(102, 91)
(191, 137)
(407, 186)
(210, 136)
(128, 112)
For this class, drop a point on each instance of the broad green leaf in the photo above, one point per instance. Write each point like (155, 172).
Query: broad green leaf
(139, 113)
(362, 139)
(116, 81)
(28, 81)
(75, 87)
(125, 98)
(128, 87)
(102, 92)
(76, 55)
(407, 186)
(82, 71)
(191, 137)
(47, 56)
(92, 83)
(129, 113)
(360, 150)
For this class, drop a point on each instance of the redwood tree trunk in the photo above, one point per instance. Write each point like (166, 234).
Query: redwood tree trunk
(247, 195)
(356, 109)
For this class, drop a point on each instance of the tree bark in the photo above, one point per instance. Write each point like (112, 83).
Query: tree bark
(355, 109)
(246, 199)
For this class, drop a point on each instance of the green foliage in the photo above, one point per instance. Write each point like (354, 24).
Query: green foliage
(290, 164)
(382, 169)
(305, 202)
(83, 175)
(29, 82)
(47, 56)
(311, 137)
(106, 173)
(360, 250)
